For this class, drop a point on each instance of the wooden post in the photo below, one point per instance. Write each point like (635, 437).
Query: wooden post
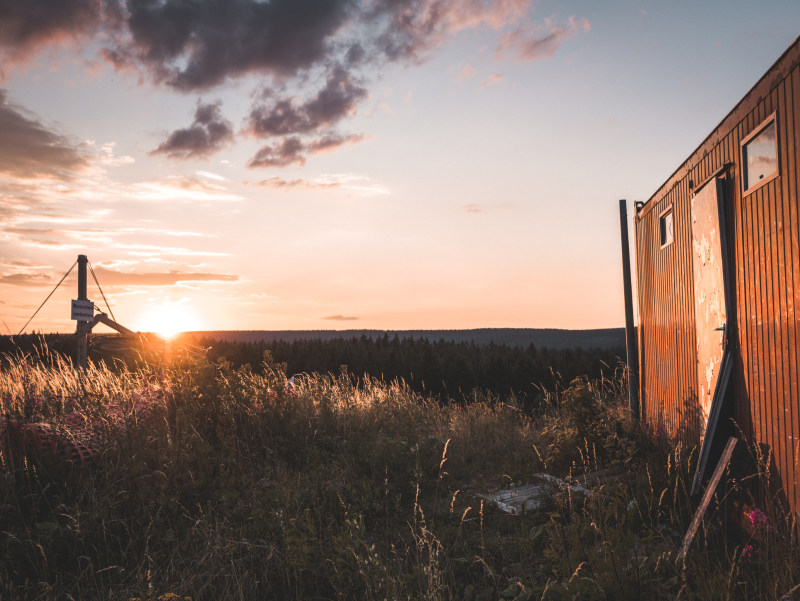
(83, 328)
(630, 328)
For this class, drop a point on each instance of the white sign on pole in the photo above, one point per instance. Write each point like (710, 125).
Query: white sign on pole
(82, 310)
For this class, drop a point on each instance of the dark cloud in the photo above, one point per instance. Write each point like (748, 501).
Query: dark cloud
(338, 99)
(294, 151)
(112, 277)
(340, 318)
(208, 134)
(195, 45)
(411, 29)
(27, 25)
(28, 149)
(291, 151)
(333, 141)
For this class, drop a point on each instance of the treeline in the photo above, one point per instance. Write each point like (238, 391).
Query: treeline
(445, 368)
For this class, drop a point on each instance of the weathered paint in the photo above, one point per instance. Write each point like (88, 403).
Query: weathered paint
(709, 293)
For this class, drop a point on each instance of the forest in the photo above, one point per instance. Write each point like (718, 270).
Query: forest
(444, 369)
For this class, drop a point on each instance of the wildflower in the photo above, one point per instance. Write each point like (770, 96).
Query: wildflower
(750, 554)
(759, 520)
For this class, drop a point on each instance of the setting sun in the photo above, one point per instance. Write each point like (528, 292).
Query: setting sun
(168, 319)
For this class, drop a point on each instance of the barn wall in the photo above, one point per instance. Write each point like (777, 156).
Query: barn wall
(763, 238)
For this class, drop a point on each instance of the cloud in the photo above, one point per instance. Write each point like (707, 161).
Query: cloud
(289, 152)
(413, 28)
(196, 45)
(348, 182)
(294, 151)
(181, 188)
(336, 100)
(154, 251)
(112, 277)
(283, 46)
(278, 183)
(340, 318)
(29, 150)
(484, 208)
(209, 133)
(26, 279)
(492, 80)
(467, 72)
(532, 45)
(27, 26)
(208, 174)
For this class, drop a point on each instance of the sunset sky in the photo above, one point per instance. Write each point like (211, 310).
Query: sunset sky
(337, 164)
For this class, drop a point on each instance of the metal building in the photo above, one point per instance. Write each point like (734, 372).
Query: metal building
(718, 283)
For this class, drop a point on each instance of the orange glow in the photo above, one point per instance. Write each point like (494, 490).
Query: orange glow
(168, 319)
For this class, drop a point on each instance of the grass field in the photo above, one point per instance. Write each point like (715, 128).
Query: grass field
(240, 487)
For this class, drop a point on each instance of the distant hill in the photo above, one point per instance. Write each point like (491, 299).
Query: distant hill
(523, 337)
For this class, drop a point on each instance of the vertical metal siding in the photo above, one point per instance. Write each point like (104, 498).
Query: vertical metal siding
(764, 242)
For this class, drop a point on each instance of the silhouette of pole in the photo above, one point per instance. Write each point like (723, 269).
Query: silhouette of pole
(630, 328)
(83, 328)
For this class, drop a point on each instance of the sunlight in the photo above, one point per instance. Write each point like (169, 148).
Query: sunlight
(168, 319)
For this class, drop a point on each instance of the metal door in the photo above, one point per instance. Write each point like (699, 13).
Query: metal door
(710, 267)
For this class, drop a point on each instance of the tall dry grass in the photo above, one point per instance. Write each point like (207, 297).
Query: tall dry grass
(239, 487)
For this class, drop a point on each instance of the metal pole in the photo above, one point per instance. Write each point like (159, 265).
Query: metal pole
(630, 328)
(82, 329)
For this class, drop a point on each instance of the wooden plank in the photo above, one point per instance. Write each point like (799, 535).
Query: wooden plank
(743, 301)
(755, 296)
(772, 316)
(689, 366)
(707, 496)
(671, 310)
(739, 380)
(763, 317)
(641, 284)
(783, 399)
(687, 376)
(792, 178)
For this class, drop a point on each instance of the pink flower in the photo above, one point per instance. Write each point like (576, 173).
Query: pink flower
(759, 520)
(750, 554)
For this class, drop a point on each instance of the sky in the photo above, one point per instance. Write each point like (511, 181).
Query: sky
(350, 164)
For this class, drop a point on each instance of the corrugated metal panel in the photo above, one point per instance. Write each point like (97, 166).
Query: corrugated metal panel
(764, 242)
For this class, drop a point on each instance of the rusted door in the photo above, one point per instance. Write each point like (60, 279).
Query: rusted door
(709, 260)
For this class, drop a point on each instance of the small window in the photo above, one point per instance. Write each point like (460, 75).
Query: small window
(760, 156)
(665, 228)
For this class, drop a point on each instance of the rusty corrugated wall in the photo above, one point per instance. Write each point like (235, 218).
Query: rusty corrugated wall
(764, 252)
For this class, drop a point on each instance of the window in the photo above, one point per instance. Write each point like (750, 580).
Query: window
(760, 156)
(665, 228)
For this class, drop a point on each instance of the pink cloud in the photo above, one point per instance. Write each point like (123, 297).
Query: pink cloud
(493, 80)
(528, 46)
